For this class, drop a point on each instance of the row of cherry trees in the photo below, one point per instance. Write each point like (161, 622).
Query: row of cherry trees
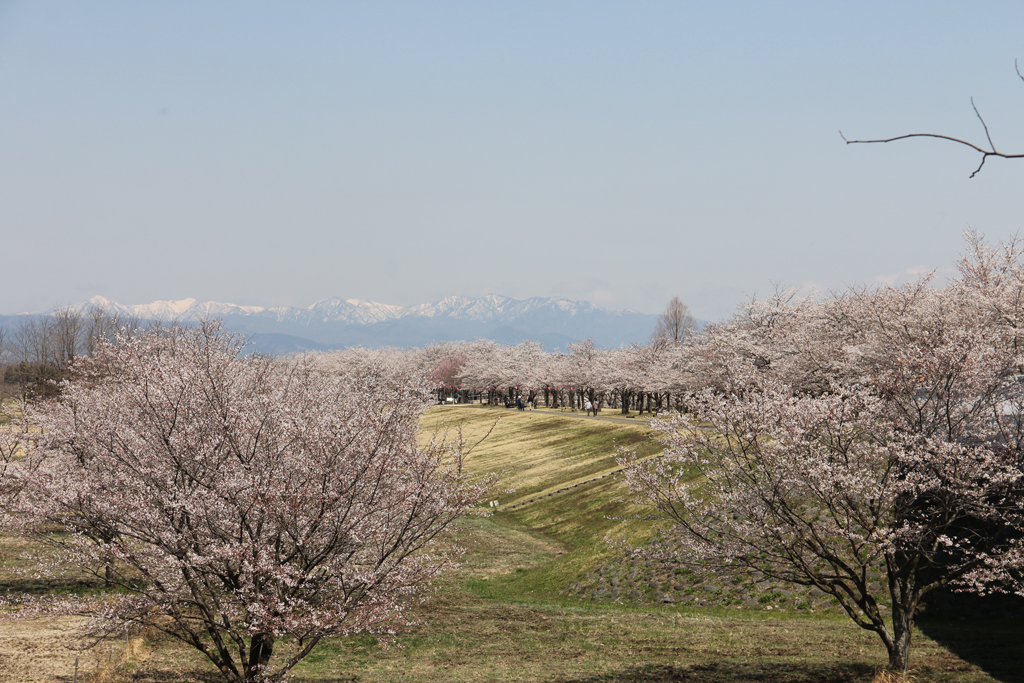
(816, 439)
(652, 377)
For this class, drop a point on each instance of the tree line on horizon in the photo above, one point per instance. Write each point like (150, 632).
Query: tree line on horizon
(37, 352)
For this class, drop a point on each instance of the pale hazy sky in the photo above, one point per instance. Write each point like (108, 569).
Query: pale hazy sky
(280, 153)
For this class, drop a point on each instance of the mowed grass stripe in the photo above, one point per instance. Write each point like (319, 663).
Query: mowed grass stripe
(539, 453)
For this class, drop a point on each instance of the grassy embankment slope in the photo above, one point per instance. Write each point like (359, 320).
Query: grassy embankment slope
(541, 596)
(510, 614)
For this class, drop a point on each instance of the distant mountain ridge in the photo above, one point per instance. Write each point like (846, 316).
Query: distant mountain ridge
(486, 308)
(336, 322)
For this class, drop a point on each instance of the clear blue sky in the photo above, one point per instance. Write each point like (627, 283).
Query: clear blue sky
(280, 153)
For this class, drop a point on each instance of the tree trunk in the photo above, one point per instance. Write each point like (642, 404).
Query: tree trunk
(899, 649)
(260, 649)
(905, 599)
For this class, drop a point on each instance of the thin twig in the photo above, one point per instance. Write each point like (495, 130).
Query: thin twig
(484, 438)
(983, 125)
(983, 159)
(985, 153)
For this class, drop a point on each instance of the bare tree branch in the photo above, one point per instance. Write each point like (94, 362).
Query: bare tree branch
(983, 124)
(985, 153)
(675, 324)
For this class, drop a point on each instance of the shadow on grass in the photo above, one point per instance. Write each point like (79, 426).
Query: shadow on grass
(733, 672)
(995, 646)
(195, 676)
(41, 587)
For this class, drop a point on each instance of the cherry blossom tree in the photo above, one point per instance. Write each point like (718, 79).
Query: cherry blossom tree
(484, 367)
(503, 370)
(869, 429)
(818, 491)
(580, 370)
(236, 500)
(17, 440)
(447, 372)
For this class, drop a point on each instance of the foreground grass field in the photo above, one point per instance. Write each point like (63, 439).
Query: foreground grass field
(533, 600)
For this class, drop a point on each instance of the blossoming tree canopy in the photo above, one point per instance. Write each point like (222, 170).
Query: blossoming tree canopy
(869, 429)
(235, 499)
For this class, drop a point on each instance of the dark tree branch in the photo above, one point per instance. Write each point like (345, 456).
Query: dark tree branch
(985, 153)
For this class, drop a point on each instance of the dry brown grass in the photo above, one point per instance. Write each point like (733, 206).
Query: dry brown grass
(42, 650)
(113, 668)
(886, 676)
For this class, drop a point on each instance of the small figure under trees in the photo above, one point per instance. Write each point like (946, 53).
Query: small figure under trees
(246, 506)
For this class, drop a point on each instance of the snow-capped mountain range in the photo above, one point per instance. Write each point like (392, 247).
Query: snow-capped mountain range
(337, 322)
(355, 311)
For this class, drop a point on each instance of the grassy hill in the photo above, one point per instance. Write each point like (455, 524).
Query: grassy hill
(561, 470)
(534, 600)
